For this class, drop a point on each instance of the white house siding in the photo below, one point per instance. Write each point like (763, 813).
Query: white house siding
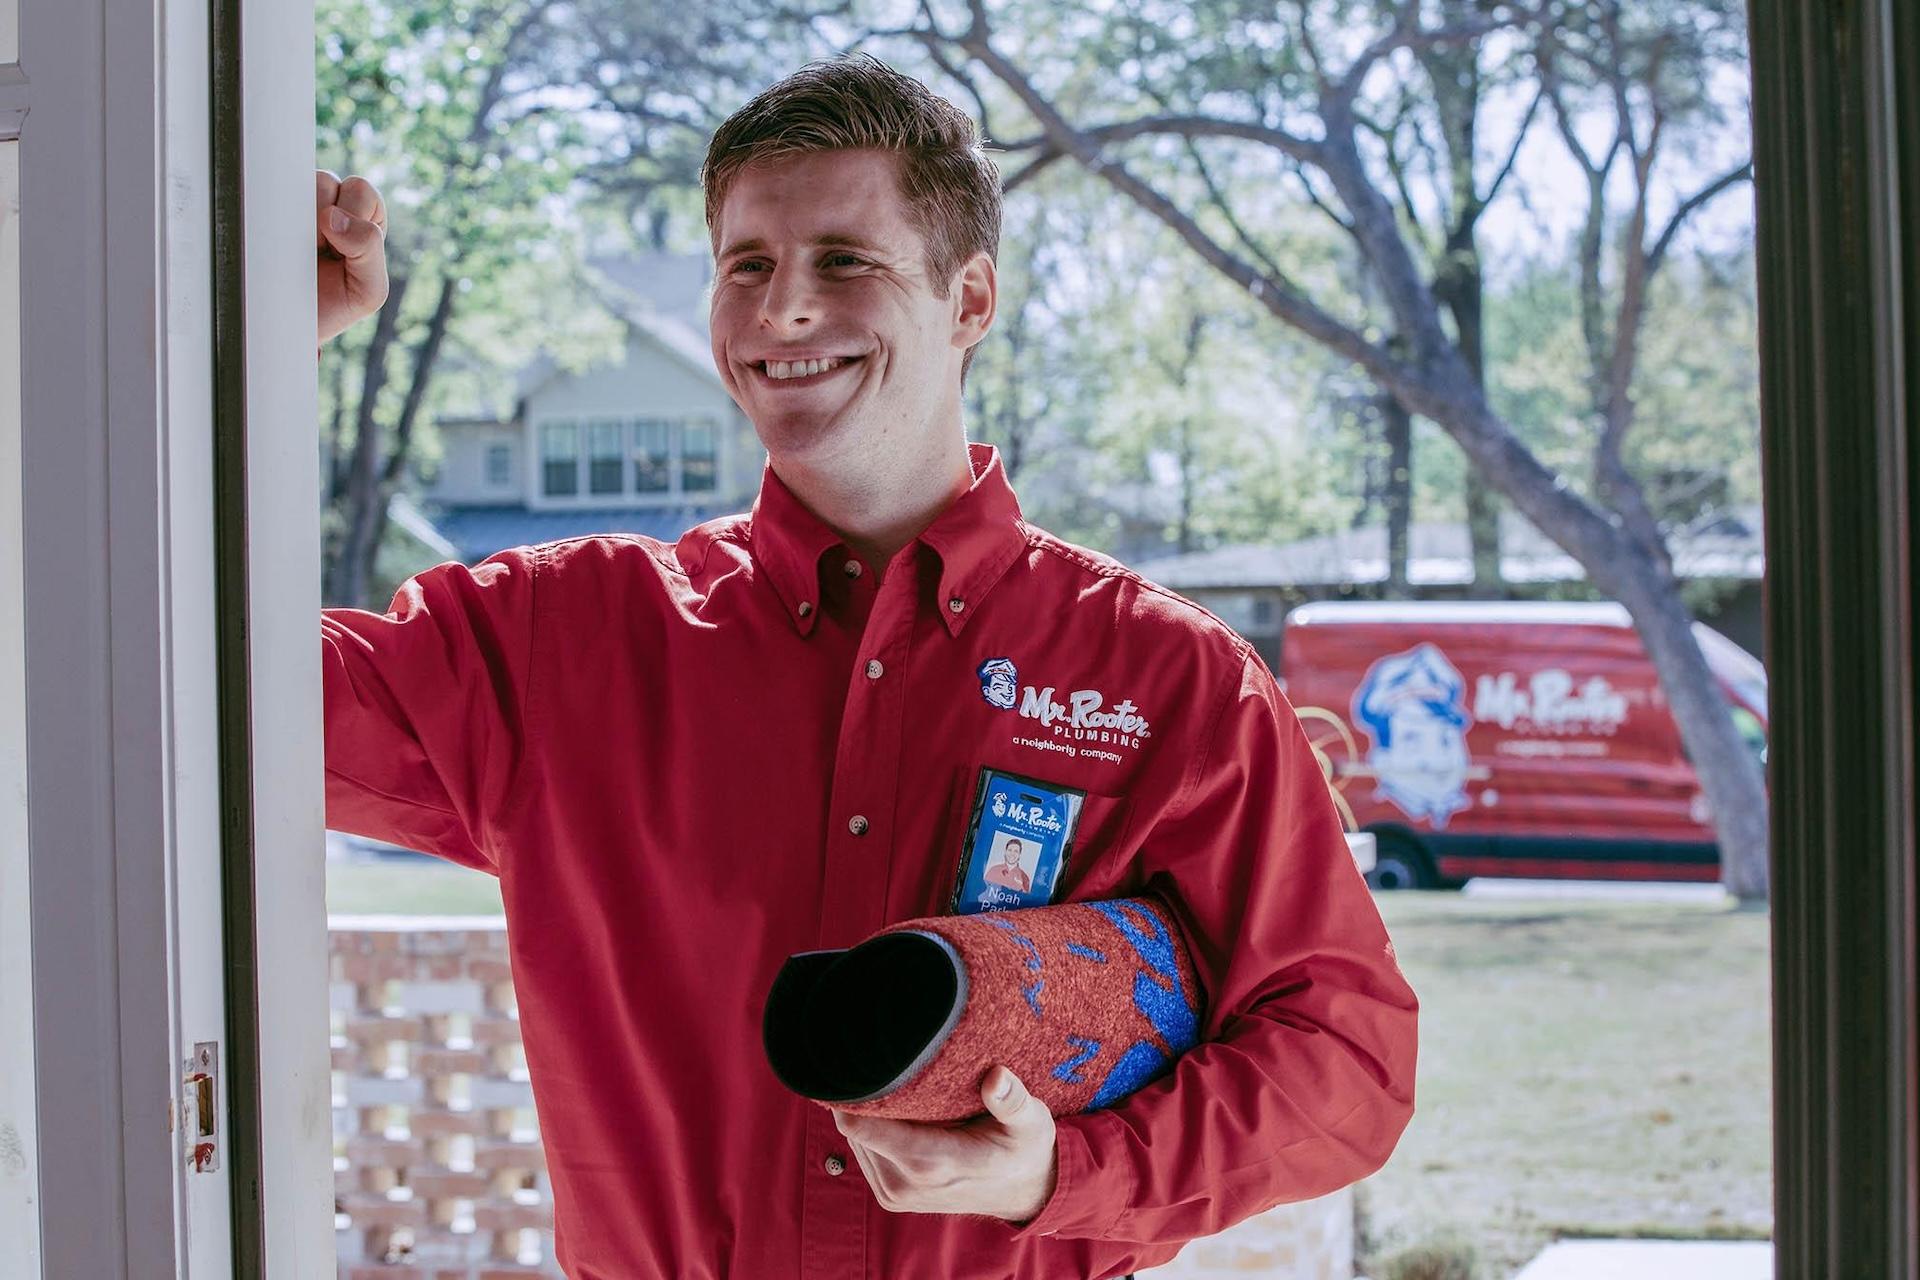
(462, 477)
(653, 383)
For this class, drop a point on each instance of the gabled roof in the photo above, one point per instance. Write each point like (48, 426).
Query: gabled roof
(1440, 553)
(661, 296)
(478, 532)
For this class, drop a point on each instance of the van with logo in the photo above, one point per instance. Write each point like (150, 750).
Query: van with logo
(1506, 738)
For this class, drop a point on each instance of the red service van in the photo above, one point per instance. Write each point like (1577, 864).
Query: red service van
(1505, 738)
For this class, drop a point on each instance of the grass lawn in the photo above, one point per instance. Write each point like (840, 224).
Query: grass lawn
(409, 887)
(1586, 1068)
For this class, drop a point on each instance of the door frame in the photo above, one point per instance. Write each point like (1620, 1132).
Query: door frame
(1837, 154)
(171, 720)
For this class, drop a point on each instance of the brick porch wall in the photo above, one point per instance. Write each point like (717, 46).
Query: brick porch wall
(438, 1169)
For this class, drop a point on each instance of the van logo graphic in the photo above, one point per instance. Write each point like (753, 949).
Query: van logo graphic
(1551, 702)
(999, 682)
(1413, 705)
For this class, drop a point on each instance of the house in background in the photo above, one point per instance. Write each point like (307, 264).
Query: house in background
(652, 444)
(1251, 586)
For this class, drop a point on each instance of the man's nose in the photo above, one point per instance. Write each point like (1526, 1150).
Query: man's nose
(790, 300)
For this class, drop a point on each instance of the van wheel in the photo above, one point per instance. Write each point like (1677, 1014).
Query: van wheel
(1400, 863)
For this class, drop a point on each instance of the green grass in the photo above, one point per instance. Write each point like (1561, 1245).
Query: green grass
(1586, 1069)
(410, 887)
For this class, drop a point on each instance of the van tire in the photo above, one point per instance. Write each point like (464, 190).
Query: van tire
(1400, 862)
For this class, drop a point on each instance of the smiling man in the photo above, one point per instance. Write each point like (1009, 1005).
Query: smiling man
(687, 761)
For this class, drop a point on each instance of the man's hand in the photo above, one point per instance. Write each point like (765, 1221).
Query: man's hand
(353, 257)
(1001, 1164)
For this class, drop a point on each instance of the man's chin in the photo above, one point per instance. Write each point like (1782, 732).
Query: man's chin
(799, 433)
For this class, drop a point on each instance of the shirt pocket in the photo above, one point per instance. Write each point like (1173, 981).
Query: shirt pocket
(1099, 852)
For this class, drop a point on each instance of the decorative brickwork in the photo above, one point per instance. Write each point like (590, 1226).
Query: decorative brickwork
(438, 1169)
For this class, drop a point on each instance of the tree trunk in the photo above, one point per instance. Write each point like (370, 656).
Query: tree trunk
(426, 355)
(348, 585)
(1398, 424)
(1483, 536)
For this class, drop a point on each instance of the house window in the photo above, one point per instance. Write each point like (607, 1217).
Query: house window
(603, 457)
(699, 469)
(560, 458)
(651, 457)
(499, 466)
(1263, 611)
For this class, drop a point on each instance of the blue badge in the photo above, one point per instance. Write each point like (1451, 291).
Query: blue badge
(1018, 840)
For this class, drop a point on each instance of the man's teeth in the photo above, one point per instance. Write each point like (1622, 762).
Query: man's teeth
(800, 368)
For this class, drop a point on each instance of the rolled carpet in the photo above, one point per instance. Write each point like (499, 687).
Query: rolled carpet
(1084, 1001)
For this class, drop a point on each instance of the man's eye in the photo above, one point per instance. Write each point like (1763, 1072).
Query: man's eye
(743, 265)
(848, 258)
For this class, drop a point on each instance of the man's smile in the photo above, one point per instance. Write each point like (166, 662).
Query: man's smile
(801, 373)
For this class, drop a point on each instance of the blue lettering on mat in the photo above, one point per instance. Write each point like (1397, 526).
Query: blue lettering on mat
(1032, 994)
(1137, 1065)
(1033, 952)
(1088, 952)
(1069, 1070)
(1159, 999)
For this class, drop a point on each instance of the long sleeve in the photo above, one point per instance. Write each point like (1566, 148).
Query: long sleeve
(1303, 1080)
(427, 706)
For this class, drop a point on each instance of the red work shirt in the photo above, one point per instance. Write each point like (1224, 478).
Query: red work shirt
(687, 761)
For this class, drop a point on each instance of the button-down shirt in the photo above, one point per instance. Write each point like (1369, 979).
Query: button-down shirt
(686, 761)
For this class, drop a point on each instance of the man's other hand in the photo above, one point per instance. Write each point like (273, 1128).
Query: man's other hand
(1001, 1164)
(353, 255)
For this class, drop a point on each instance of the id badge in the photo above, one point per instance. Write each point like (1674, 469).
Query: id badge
(1019, 837)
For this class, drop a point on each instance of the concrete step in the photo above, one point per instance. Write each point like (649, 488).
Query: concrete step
(1652, 1260)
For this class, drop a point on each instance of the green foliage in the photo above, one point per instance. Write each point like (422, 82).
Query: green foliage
(1447, 1261)
(1696, 386)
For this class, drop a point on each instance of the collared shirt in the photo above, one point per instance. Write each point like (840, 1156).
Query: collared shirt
(687, 761)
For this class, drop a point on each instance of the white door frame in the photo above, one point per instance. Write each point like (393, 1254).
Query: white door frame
(146, 791)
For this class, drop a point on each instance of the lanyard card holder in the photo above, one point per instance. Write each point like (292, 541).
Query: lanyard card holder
(1019, 837)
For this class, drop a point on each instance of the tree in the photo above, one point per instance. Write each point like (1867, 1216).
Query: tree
(497, 130)
(434, 104)
(1290, 86)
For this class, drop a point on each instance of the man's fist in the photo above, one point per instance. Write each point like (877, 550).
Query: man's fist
(350, 237)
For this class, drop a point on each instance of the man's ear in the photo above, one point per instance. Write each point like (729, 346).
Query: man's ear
(975, 297)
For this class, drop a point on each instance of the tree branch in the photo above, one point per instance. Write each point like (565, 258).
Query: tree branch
(1691, 205)
(1283, 301)
(1513, 152)
(1407, 37)
(1182, 126)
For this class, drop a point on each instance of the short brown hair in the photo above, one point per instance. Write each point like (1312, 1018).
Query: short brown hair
(855, 101)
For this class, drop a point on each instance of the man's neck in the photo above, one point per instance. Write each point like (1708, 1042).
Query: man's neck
(879, 510)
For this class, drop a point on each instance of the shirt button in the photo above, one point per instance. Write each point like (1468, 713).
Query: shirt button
(836, 1166)
(956, 604)
(857, 825)
(852, 568)
(804, 608)
(874, 669)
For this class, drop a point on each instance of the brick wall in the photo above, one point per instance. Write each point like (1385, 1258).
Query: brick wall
(438, 1170)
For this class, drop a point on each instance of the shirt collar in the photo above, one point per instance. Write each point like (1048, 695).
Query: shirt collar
(977, 538)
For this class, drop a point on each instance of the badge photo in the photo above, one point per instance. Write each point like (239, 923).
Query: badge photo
(1019, 837)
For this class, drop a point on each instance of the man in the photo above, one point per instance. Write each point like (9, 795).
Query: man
(808, 695)
(1007, 873)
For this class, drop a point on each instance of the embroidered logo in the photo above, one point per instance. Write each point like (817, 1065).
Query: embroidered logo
(1084, 715)
(999, 682)
(1083, 725)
